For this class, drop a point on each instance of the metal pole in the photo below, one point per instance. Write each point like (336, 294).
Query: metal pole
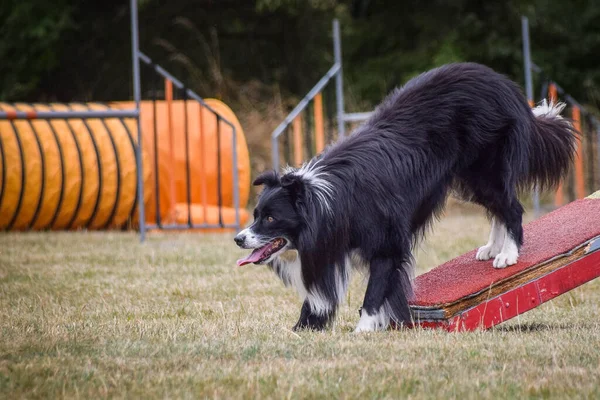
(529, 93)
(527, 58)
(137, 96)
(236, 186)
(339, 79)
(357, 117)
(275, 152)
(305, 101)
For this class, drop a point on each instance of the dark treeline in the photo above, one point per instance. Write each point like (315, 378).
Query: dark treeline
(67, 50)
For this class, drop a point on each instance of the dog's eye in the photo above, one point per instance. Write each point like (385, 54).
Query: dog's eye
(270, 219)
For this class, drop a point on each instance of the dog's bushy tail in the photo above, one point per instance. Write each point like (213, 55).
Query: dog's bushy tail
(552, 146)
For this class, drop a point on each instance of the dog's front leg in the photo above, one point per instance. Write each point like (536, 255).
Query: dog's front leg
(387, 294)
(311, 320)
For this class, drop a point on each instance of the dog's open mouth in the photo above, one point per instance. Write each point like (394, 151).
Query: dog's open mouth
(263, 253)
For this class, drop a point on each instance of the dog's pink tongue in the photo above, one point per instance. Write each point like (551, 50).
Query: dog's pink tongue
(255, 256)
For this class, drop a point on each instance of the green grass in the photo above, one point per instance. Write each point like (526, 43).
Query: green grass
(97, 314)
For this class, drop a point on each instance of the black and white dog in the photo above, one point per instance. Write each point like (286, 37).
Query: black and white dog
(367, 199)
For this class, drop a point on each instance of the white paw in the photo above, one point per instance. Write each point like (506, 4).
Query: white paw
(364, 328)
(505, 259)
(486, 252)
(372, 323)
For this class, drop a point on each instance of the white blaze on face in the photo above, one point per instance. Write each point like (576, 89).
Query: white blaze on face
(251, 240)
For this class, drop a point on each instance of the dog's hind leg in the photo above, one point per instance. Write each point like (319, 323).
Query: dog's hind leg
(387, 295)
(490, 185)
(506, 237)
(512, 215)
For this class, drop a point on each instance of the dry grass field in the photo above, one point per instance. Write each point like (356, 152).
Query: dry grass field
(89, 315)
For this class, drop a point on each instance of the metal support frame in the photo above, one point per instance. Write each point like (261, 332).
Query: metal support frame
(342, 118)
(334, 71)
(189, 94)
(136, 57)
(192, 95)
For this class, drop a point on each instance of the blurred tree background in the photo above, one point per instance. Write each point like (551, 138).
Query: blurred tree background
(262, 55)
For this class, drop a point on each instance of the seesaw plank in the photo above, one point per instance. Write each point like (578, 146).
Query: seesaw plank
(561, 252)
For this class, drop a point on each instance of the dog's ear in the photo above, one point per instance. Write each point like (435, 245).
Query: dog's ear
(268, 178)
(293, 184)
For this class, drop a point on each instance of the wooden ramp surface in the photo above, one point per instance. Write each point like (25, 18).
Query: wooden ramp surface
(561, 251)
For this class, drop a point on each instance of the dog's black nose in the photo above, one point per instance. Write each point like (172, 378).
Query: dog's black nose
(239, 240)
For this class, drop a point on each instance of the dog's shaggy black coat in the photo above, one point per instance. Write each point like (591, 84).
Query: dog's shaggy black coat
(461, 126)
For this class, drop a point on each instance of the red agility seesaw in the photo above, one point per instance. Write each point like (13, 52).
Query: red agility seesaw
(561, 251)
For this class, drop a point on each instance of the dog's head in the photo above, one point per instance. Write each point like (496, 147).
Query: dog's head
(277, 220)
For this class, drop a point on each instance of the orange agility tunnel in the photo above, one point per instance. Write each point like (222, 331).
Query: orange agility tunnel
(82, 173)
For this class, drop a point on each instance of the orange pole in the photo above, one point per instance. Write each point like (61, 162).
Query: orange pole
(169, 99)
(297, 131)
(559, 198)
(579, 180)
(552, 92)
(203, 188)
(319, 130)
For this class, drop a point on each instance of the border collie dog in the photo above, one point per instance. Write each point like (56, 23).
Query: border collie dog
(366, 200)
